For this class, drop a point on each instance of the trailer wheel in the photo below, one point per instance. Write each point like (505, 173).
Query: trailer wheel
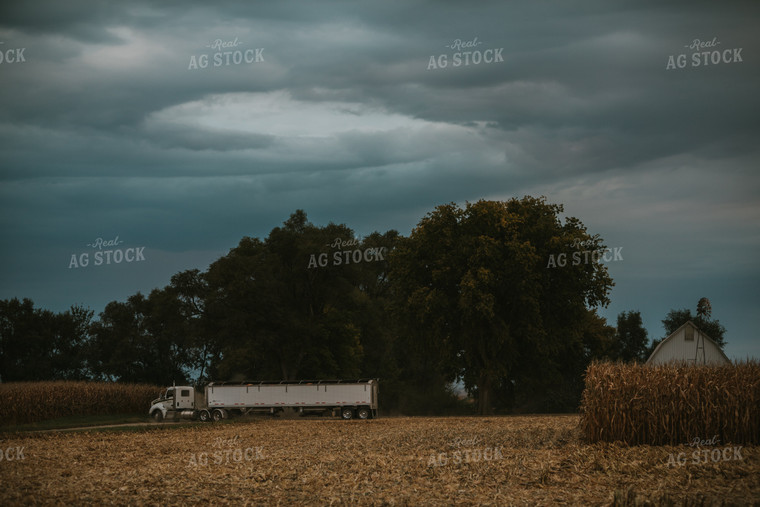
(204, 416)
(158, 416)
(346, 413)
(363, 413)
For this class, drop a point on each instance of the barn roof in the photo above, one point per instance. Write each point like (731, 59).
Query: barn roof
(675, 333)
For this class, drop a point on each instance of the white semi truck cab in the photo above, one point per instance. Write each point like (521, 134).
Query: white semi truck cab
(177, 402)
(220, 400)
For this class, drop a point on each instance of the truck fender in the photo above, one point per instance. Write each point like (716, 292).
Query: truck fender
(155, 411)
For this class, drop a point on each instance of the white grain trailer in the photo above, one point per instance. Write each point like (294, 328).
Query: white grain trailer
(219, 400)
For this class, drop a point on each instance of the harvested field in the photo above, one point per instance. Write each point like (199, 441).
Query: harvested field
(525, 460)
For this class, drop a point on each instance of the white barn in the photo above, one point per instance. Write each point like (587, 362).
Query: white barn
(689, 344)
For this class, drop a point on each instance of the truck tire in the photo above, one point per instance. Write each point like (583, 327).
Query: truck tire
(346, 413)
(363, 413)
(158, 416)
(217, 415)
(204, 416)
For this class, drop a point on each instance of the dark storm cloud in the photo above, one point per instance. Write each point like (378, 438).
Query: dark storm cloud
(108, 129)
(556, 77)
(198, 139)
(80, 19)
(582, 76)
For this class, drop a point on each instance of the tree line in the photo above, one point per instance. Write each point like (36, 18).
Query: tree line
(464, 303)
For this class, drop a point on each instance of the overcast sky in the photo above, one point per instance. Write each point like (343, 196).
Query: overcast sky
(111, 126)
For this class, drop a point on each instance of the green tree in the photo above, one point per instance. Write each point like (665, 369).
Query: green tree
(191, 290)
(599, 340)
(374, 301)
(481, 282)
(142, 340)
(276, 317)
(677, 318)
(37, 344)
(25, 339)
(72, 337)
(631, 337)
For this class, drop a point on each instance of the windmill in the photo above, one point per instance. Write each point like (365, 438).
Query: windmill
(704, 310)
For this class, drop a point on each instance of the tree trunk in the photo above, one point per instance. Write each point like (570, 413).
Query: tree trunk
(484, 395)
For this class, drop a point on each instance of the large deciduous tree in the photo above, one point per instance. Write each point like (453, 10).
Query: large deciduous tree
(37, 344)
(142, 340)
(631, 337)
(479, 283)
(191, 290)
(277, 315)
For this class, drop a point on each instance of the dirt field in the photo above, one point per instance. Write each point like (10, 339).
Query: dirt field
(530, 460)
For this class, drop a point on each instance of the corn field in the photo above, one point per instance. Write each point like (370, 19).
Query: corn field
(26, 402)
(671, 404)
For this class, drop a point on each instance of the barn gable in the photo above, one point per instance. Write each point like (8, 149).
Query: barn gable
(688, 343)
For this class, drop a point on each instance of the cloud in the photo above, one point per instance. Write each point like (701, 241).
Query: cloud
(108, 129)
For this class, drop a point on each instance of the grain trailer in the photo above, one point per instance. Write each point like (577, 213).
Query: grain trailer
(220, 400)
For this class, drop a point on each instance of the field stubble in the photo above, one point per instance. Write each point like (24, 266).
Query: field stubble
(396, 461)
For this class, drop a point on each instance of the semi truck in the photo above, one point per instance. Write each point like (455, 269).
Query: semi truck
(220, 400)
